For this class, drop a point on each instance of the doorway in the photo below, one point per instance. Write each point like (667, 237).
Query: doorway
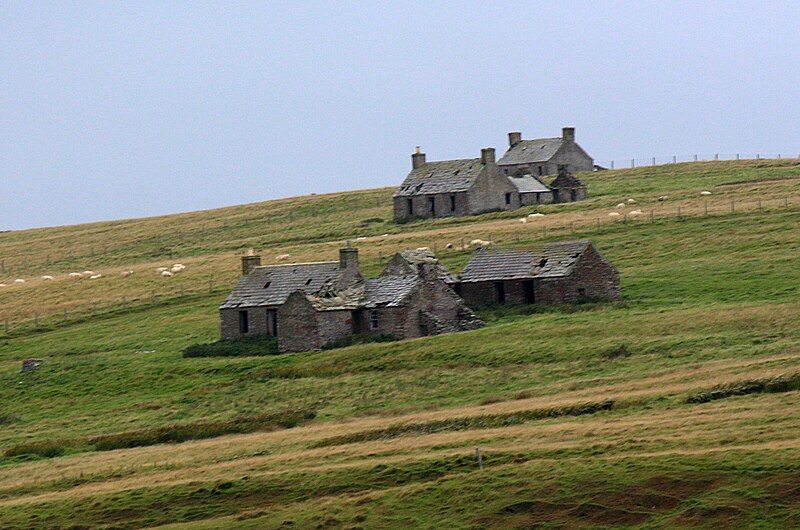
(528, 293)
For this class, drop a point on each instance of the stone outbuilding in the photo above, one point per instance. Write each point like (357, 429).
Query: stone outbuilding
(571, 271)
(309, 305)
(454, 187)
(545, 156)
(252, 307)
(401, 307)
(568, 188)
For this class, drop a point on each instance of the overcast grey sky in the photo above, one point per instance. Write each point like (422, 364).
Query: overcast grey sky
(120, 109)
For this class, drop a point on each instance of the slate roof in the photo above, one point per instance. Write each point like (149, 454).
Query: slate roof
(567, 180)
(445, 176)
(529, 184)
(388, 291)
(530, 151)
(554, 261)
(424, 256)
(272, 284)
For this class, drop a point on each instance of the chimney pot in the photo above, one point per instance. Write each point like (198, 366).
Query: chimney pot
(514, 138)
(250, 262)
(348, 258)
(417, 159)
(487, 155)
(568, 134)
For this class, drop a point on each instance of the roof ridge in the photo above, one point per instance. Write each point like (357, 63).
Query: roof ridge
(332, 262)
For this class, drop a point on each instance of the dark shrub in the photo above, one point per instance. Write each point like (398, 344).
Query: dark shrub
(45, 448)
(234, 348)
(200, 430)
(359, 338)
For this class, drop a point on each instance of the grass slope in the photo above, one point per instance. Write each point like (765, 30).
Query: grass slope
(585, 416)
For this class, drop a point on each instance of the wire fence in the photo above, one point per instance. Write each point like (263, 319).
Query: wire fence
(631, 216)
(648, 161)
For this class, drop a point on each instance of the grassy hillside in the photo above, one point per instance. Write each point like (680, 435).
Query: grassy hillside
(675, 407)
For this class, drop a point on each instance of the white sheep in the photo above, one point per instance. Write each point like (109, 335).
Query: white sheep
(663, 198)
(535, 215)
(448, 246)
(423, 249)
(88, 273)
(614, 214)
(705, 193)
(523, 220)
(46, 277)
(620, 206)
(19, 280)
(634, 213)
(177, 268)
(631, 201)
(361, 238)
(75, 275)
(166, 274)
(3, 285)
(282, 257)
(125, 274)
(385, 235)
(480, 243)
(95, 276)
(162, 269)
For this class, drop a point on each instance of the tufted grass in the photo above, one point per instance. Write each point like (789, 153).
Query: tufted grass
(710, 307)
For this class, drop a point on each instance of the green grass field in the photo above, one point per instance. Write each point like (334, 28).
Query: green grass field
(585, 416)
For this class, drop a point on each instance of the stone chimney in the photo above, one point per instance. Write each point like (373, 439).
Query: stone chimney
(568, 134)
(249, 262)
(514, 138)
(427, 271)
(417, 159)
(348, 257)
(487, 156)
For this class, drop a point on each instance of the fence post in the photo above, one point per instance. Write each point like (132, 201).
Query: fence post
(597, 222)
(706, 207)
(36, 319)
(674, 159)
(679, 212)
(758, 156)
(652, 217)
(209, 286)
(572, 227)
(716, 156)
(153, 296)
(3, 265)
(65, 313)
(463, 248)
(785, 202)
(759, 205)
(733, 206)
(737, 156)
(479, 457)
(612, 164)
(654, 160)
(633, 162)
(7, 326)
(695, 158)
(94, 308)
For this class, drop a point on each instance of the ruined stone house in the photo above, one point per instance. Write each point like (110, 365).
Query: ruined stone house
(309, 305)
(453, 187)
(563, 272)
(472, 186)
(545, 156)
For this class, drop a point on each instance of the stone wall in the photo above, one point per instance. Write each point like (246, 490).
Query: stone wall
(572, 156)
(527, 199)
(592, 278)
(565, 194)
(229, 322)
(486, 293)
(421, 206)
(489, 192)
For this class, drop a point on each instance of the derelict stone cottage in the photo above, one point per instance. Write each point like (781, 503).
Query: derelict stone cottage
(572, 271)
(545, 156)
(476, 185)
(309, 305)
(453, 187)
